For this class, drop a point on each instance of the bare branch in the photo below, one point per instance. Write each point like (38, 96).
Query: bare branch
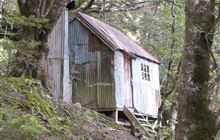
(88, 6)
(123, 6)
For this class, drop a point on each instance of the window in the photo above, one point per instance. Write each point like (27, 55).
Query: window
(145, 70)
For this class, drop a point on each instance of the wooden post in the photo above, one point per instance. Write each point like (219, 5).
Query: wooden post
(115, 115)
(67, 84)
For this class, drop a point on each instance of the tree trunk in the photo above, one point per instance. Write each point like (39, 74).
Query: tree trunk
(173, 113)
(195, 121)
(50, 9)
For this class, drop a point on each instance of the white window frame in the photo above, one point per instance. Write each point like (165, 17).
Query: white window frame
(145, 72)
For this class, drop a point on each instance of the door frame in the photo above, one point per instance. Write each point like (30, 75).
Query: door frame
(126, 59)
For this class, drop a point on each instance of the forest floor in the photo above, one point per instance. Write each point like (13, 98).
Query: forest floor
(27, 111)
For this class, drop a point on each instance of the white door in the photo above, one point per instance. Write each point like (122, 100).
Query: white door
(144, 98)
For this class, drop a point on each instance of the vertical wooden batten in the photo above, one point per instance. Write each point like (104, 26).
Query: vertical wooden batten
(67, 84)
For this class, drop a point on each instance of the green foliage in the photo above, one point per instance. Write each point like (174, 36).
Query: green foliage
(32, 91)
(13, 17)
(3, 61)
(29, 22)
(19, 44)
(166, 134)
(25, 126)
(28, 111)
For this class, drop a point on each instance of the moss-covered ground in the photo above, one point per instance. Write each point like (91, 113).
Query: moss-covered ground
(27, 111)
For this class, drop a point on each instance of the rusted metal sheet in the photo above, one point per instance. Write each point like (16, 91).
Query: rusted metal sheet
(85, 63)
(53, 70)
(94, 43)
(85, 90)
(106, 97)
(56, 65)
(114, 38)
(56, 40)
(93, 80)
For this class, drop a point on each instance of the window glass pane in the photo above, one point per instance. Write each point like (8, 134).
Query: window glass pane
(145, 72)
(145, 76)
(148, 69)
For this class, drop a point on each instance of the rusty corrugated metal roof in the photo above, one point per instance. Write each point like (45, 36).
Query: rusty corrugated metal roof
(116, 39)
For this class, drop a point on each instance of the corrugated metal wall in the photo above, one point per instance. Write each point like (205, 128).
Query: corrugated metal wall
(56, 64)
(53, 65)
(102, 77)
(106, 96)
(122, 77)
(91, 68)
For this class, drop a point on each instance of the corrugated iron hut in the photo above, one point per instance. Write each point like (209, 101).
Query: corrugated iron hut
(110, 70)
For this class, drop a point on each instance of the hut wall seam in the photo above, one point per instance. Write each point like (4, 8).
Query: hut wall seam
(67, 84)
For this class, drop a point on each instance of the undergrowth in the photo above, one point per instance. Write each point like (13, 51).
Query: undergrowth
(28, 111)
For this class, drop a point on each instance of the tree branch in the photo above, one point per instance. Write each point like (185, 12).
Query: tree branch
(123, 6)
(88, 5)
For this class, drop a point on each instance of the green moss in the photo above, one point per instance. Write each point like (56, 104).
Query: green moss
(26, 112)
(26, 126)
